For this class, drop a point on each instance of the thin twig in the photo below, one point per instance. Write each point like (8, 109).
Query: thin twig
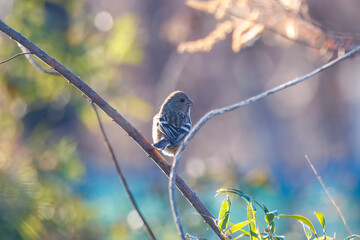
(328, 194)
(255, 98)
(173, 204)
(113, 157)
(19, 54)
(119, 119)
(122, 177)
(35, 63)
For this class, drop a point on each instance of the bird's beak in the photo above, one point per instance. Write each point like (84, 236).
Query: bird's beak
(191, 102)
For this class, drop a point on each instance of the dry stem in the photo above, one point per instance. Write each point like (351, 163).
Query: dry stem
(328, 194)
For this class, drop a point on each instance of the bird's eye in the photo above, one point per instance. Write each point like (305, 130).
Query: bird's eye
(182, 100)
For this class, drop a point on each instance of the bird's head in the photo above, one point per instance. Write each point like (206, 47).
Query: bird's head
(178, 101)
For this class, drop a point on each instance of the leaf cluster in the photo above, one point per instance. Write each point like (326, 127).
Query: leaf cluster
(258, 230)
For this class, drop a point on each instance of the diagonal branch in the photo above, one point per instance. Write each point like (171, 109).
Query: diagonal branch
(186, 191)
(293, 82)
(34, 63)
(219, 111)
(122, 177)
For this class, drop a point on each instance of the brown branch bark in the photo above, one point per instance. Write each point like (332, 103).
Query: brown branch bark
(186, 191)
(122, 177)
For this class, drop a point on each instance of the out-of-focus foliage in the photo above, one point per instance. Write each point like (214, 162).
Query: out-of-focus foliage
(40, 164)
(248, 20)
(36, 196)
(66, 31)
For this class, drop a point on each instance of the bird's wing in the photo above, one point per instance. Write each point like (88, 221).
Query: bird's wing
(172, 133)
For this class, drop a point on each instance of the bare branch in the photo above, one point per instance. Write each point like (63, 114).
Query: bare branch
(173, 204)
(11, 58)
(215, 112)
(255, 98)
(328, 194)
(122, 177)
(119, 119)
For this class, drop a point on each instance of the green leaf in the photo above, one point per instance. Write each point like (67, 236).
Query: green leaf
(251, 215)
(302, 219)
(242, 235)
(272, 227)
(235, 191)
(323, 238)
(224, 214)
(266, 210)
(262, 206)
(238, 227)
(321, 219)
(269, 218)
(244, 232)
(307, 231)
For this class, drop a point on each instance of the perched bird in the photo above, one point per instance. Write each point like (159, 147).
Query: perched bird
(172, 123)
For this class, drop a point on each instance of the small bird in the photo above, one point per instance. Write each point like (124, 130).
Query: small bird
(172, 123)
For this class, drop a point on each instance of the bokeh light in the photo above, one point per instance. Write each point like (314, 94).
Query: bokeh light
(103, 21)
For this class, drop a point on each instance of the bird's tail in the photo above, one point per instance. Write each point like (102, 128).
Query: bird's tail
(162, 144)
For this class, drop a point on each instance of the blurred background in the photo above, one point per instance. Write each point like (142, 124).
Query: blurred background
(56, 178)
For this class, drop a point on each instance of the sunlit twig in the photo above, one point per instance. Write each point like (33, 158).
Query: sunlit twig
(11, 58)
(173, 204)
(262, 95)
(35, 63)
(329, 196)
